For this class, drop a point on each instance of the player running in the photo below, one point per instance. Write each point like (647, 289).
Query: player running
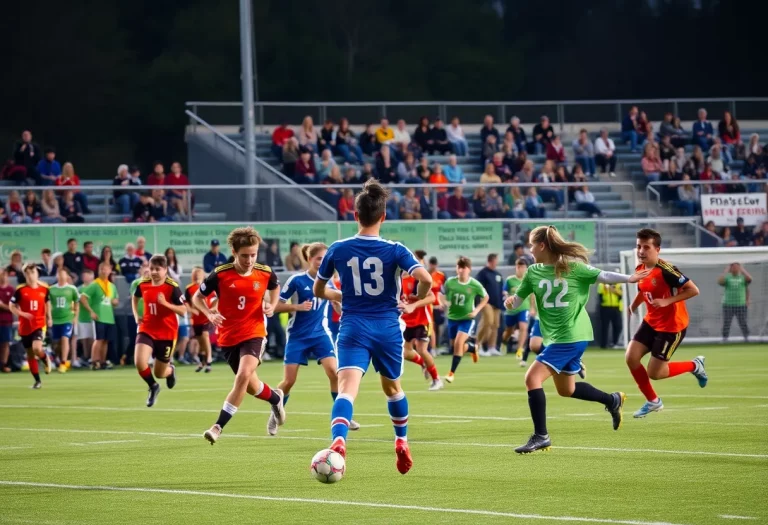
(370, 330)
(65, 304)
(308, 333)
(560, 280)
(156, 337)
(458, 294)
(200, 324)
(241, 288)
(30, 303)
(516, 319)
(664, 291)
(438, 314)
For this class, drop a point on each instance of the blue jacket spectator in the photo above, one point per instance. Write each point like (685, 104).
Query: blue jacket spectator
(130, 263)
(49, 168)
(453, 171)
(703, 133)
(629, 129)
(213, 258)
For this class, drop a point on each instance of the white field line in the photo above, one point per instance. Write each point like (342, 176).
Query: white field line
(107, 442)
(345, 503)
(449, 422)
(734, 517)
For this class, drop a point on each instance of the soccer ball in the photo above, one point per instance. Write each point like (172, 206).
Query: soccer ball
(327, 466)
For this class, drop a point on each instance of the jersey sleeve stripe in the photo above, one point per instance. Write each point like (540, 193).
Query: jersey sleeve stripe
(412, 268)
(322, 277)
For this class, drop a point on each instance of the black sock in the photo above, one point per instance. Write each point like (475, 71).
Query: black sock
(455, 363)
(227, 411)
(527, 349)
(537, 402)
(37, 377)
(587, 392)
(274, 399)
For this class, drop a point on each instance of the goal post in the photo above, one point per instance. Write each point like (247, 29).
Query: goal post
(704, 266)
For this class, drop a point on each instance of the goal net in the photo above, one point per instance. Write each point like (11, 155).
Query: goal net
(704, 266)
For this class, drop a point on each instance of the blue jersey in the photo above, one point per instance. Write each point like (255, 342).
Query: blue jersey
(369, 268)
(305, 325)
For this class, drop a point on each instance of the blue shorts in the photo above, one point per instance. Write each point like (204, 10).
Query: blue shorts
(535, 329)
(59, 331)
(6, 334)
(563, 358)
(298, 351)
(183, 331)
(379, 341)
(454, 327)
(512, 320)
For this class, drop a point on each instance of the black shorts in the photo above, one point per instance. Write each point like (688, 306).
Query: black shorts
(661, 344)
(438, 317)
(161, 350)
(416, 332)
(104, 331)
(254, 347)
(27, 340)
(200, 329)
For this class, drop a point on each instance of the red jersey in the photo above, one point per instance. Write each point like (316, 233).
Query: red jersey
(438, 280)
(240, 301)
(336, 316)
(664, 281)
(32, 301)
(420, 316)
(197, 319)
(159, 322)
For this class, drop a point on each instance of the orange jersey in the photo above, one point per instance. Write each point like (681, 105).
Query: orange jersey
(159, 322)
(197, 319)
(240, 301)
(31, 301)
(438, 280)
(664, 281)
(420, 316)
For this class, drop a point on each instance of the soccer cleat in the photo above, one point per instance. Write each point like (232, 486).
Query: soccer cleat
(523, 364)
(582, 371)
(279, 409)
(403, 453)
(425, 371)
(436, 385)
(449, 377)
(207, 369)
(212, 434)
(170, 381)
(199, 367)
(481, 353)
(535, 443)
(37, 386)
(339, 446)
(154, 391)
(354, 425)
(47, 364)
(699, 371)
(649, 407)
(272, 425)
(617, 412)
(62, 368)
(519, 354)
(108, 365)
(68, 364)
(494, 352)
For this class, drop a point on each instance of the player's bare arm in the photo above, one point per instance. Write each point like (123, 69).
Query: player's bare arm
(321, 291)
(274, 300)
(686, 292)
(480, 306)
(48, 313)
(178, 309)
(213, 315)
(635, 304)
(411, 307)
(135, 309)
(84, 302)
(15, 310)
(425, 282)
(306, 306)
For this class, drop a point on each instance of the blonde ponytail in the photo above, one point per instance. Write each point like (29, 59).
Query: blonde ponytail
(564, 251)
(310, 250)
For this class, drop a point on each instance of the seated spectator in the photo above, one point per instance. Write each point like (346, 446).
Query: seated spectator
(479, 204)
(350, 176)
(555, 150)
(490, 148)
(666, 150)
(453, 171)
(367, 173)
(534, 205)
(422, 135)
(711, 240)
(543, 133)
(14, 173)
(514, 203)
(651, 163)
(130, 263)
(728, 240)
(754, 147)
(576, 175)
(696, 163)
(385, 134)
(688, 197)
(179, 198)
(393, 205)
(157, 177)
(159, 207)
(605, 153)
(368, 140)
(410, 207)
(518, 134)
(584, 153)
(70, 208)
(401, 134)
(509, 159)
(671, 173)
(644, 127)
(438, 177)
(324, 164)
(386, 171)
(3, 216)
(457, 138)
(489, 176)
(308, 136)
(548, 191)
(290, 157)
(346, 206)
(487, 129)
(458, 205)
(741, 234)
(68, 177)
(526, 174)
(703, 134)
(406, 170)
(32, 206)
(26, 156)
(629, 130)
(15, 211)
(423, 170)
(494, 204)
(214, 257)
(51, 208)
(670, 127)
(719, 165)
(585, 201)
(327, 138)
(124, 199)
(439, 139)
(332, 195)
(305, 169)
(280, 136)
(730, 135)
(49, 168)
(347, 144)
(708, 175)
(500, 167)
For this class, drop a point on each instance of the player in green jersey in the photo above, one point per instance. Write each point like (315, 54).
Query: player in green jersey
(560, 282)
(84, 331)
(64, 308)
(518, 318)
(100, 298)
(458, 295)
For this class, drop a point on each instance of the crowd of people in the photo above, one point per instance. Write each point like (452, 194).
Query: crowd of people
(739, 235)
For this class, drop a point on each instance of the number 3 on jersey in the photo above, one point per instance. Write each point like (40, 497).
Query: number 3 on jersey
(375, 267)
(550, 286)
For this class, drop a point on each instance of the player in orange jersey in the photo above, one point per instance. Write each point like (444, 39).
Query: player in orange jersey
(438, 311)
(156, 336)
(30, 303)
(200, 324)
(241, 288)
(664, 291)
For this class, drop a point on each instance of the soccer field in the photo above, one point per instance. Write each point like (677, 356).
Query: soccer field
(85, 449)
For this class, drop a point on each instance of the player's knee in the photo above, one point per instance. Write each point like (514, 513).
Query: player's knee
(656, 374)
(565, 390)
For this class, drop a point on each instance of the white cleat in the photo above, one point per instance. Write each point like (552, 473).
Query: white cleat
(272, 425)
(484, 353)
(494, 352)
(523, 364)
(354, 425)
(278, 410)
(212, 434)
(437, 384)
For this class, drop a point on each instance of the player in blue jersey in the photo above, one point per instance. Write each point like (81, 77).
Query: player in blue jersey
(308, 331)
(370, 269)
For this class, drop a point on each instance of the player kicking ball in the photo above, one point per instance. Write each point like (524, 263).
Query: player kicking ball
(370, 331)
(30, 303)
(246, 292)
(664, 291)
(560, 281)
(158, 326)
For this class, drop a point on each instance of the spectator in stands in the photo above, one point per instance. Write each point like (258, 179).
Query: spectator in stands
(719, 165)
(555, 150)
(293, 261)
(666, 150)
(124, 199)
(479, 203)
(453, 171)
(174, 268)
(3, 215)
(576, 175)
(332, 195)
(280, 136)
(713, 239)
(534, 205)
(457, 138)
(730, 135)
(69, 178)
(754, 147)
(696, 162)
(709, 175)
(385, 135)
(90, 261)
(410, 206)
(458, 205)
(48, 168)
(687, 197)
(73, 259)
(141, 248)
(495, 204)
(368, 140)
(605, 153)
(157, 177)
(305, 169)
(386, 171)
(135, 175)
(213, 257)
(741, 234)
(425, 203)
(703, 134)
(393, 205)
(489, 176)
(514, 203)
(26, 154)
(728, 240)
(15, 268)
(108, 258)
(584, 153)
(51, 209)
(644, 128)
(142, 210)
(438, 178)
(543, 133)
(526, 173)
(406, 170)
(272, 255)
(629, 129)
(15, 210)
(439, 139)
(518, 134)
(130, 263)
(346, 143)
(422, 136)
(70, 208)
(585, 201)
(500, 167)
(324, 164)
(423, 170)
(548, 191)
(367, 173)
(490, 148)
(181, 203)
(327, 138)
(509, 159)
(651, 163)
(351, 177)
(308, 136)
(670, 127)
(401, 134)
(32, 206)
(290, 156)
(346, 207)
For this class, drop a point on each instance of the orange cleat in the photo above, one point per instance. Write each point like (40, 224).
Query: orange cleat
(403, 453)
(339, 447)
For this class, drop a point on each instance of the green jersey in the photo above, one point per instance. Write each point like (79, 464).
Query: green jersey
(561, 301)
(101, 302)
(83, 316)
(510, 286)
(461, 297)
(735, 290)
(140, 304)
(63, 299)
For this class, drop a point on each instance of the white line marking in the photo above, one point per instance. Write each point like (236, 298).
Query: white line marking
(449, 422)
(108, 442)
(297, 430)
(15, 448)
(333, 502)
(733, 517)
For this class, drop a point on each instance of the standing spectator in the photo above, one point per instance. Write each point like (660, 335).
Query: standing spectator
(493, 283)
(453, 171)
(346, 207)
(124, 199)
(543, 133)
(518, 134)
(174, 268)
(99, 299)
(386, 171)
(555, 150)
(26, 154)
(346, 143)
(458, 205)
(422, 136)
(534, 205)
(401, 134)
(585, 201)
(141, 248)
(280, 136)
(293, 261)
(214, 257)
(46, 267)
(410, 205)
(308, 136)
(584, 152)
(290, 157)
(457, 138)
(406, 170)
(735, 281)
(439, 139)
(16, 268)
(385, 135)
(49, 168)
(741, 234)
(73, 259)
(178, 198)
(70, 208)
(6, 321)
(32, 206)
(327, 139)
(610, 312)
(130, 263)
(107, 257)
(90, 261)
(605, 153)
(368, 140)
(629, 129)
(688, 197)
(69, 178)
(670, 127)
(651, 163)
(16, 212)
(487, 130)
(305, 169)
(703, 134)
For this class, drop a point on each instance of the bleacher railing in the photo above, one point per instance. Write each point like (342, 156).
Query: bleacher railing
(656, 203)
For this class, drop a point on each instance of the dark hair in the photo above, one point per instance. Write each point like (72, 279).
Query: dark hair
(71, 239)
(29, 266)
(583, 130)
(522, 260)
(464, 262)
(159, 260)
(111, 260)
(433, 260)
(371, 203)
(49, 149)
(649, 234)
(46, 251)
(175, 265)
(87, 243)
(492, 257)
(154, 165)
(420, 254)
(87, 270)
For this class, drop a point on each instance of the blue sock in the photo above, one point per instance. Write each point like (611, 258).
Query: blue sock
(285, 399)
(398, 411)
(341, 414)
(334, 395)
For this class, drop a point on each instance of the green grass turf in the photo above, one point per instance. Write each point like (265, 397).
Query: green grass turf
(462, 440)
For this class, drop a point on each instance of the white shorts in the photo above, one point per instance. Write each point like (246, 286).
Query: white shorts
(85, 330)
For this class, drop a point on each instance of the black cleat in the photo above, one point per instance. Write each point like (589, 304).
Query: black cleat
(617, 412)
(199, 367)
(170, 381)
(535, 443)
(582, 371)
(37, 386)
(154, 391)
(208, 369)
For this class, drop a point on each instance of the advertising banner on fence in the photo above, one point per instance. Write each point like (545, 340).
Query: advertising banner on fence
(724, 208)
(29, 240)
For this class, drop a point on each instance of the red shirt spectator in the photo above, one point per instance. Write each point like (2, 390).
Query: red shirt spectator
(305, 169)
(157, 177)
(708, 174)
(728, 129)
(68, 176)
(176, 178)
(439, 178)
(281, 134)
(347, 206)
(556, 151)
(458, 205)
